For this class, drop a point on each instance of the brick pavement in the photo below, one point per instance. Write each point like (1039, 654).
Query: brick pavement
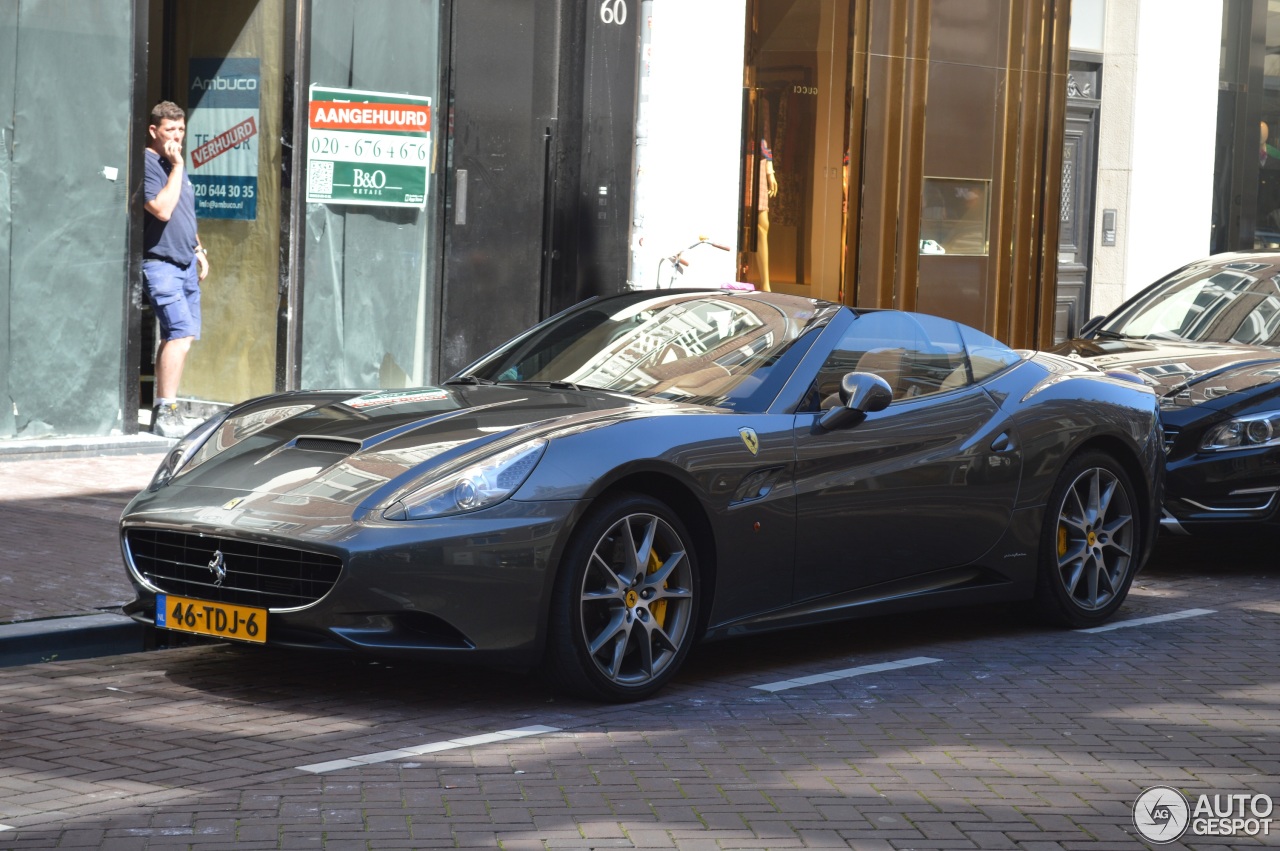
(59, 548)
(1019, 737)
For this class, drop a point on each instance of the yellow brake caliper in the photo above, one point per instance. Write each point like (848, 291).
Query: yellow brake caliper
(659, 607)
(1062, 540)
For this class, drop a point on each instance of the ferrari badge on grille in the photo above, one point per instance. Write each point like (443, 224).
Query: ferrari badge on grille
(218, 564)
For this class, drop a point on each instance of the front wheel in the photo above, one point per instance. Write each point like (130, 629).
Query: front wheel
(626, 601)
(1091, 542)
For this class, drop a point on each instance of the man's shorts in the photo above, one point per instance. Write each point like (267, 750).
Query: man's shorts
(174, 293)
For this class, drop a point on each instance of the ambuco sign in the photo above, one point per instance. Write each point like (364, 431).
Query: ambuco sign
(368, 148)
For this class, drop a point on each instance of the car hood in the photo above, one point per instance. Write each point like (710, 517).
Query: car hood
(355, 449)
(1188, 373)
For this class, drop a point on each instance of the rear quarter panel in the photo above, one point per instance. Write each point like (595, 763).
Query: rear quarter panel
(1062, 408)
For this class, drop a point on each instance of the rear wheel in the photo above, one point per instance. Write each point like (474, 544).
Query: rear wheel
(626, 601)
(1090, 543)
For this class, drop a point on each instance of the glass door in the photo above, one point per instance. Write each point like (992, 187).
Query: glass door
(794, 151)
(223, 63)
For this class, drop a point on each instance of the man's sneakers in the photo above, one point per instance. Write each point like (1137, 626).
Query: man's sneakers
(167, 422)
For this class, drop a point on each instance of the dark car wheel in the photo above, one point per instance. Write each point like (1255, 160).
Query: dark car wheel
(1090, 545)
(626, 601)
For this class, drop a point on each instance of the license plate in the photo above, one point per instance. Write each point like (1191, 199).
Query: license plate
(201, 617)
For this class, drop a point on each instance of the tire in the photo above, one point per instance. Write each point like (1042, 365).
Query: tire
(625, 604)
(1090, 544)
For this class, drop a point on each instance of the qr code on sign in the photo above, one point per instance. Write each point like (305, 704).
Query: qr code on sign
(320, 178)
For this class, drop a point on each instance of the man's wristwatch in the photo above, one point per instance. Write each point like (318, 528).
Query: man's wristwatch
(200, 250)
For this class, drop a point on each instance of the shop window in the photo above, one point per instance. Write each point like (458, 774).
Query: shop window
(64, 215)
(370, 249)
(1267, 222)
(954, 216)
(795, 147)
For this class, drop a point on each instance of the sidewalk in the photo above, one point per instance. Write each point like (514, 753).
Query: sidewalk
(60, 557)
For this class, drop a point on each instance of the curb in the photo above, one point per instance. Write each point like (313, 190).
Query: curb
(76, 637)
(84, 447)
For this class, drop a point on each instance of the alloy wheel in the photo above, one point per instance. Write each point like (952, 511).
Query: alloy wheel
(1095, 539)
(636, 600)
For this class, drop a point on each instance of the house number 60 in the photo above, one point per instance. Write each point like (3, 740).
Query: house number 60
(614, 12)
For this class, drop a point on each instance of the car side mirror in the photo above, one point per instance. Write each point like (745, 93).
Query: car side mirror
(1092, 325)
(863, 393)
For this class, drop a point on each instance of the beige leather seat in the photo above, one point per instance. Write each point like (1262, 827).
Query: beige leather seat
(957, 378)
(889, 364)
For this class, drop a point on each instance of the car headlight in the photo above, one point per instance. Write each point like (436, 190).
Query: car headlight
(186, 448)
(480, 485)
(1246, 432)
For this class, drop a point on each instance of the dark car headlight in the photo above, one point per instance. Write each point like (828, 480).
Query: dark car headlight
(477, 486)
(1248, 432)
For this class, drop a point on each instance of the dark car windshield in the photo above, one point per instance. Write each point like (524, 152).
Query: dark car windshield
(1233, 302)
(731, 350)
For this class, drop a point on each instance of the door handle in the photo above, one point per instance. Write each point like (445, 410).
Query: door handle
(1002, 443)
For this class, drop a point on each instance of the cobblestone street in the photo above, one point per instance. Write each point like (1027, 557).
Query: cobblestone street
(963, 729)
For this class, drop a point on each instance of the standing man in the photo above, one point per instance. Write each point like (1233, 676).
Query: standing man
(173, 260)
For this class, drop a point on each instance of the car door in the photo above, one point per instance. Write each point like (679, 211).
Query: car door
(927, 483)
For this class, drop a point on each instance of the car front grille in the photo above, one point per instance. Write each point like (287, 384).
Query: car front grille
(256, 574)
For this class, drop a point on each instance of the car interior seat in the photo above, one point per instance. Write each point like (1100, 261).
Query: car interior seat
(889, 364)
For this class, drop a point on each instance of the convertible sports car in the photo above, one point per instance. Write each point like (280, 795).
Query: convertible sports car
(648, 469)
(1207, 339)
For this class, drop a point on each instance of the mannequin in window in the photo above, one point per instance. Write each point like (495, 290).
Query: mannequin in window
(1268, 220)
(768, 189)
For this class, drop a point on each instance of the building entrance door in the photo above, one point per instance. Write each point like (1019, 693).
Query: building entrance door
(223, 62)
(1075, 232)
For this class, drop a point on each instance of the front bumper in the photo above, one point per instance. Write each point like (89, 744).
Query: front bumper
(1204, 489)
(475, 585)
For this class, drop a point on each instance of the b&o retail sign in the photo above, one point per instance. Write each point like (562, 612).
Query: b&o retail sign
(368, 148)
(222, 136)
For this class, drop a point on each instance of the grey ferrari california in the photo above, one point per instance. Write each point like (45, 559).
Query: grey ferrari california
(650, 469)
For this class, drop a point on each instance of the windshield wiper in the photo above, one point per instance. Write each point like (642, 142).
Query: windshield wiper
(555, 385)
(1110, 335)
(470, 379)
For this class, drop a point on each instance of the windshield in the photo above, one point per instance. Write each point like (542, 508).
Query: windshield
(1236, 302)
(726, 350)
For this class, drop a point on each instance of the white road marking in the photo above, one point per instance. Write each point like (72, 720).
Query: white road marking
(430, 747)
(783, 685)
(1172, 616)
(4, 827)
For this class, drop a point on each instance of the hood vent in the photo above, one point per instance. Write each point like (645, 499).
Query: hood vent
(327, 445)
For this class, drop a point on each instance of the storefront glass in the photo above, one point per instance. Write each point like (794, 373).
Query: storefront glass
(795, 157)
(371, 169)
(1267, 224)
(954, 215)
(64, 215)
(224, 64)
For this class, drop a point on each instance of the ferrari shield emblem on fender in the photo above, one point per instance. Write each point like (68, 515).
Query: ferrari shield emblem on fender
(750, 438)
